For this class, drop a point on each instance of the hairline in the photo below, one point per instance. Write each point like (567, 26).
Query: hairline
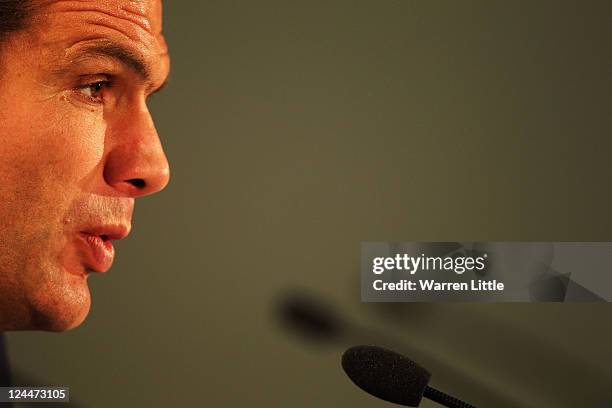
(22, 15)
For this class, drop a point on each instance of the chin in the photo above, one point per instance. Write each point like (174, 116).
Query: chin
(63, 307)
(62, 322)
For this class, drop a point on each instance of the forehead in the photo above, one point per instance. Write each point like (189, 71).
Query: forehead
(136, 21)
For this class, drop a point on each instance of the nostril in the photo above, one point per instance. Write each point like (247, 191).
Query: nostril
(138, 183)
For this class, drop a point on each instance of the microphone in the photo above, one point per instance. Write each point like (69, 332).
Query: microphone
(392, 377)
(311, 317)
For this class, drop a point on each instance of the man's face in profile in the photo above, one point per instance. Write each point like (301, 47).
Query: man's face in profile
(77, 146)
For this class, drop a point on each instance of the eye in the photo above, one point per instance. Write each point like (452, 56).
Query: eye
(93, 91)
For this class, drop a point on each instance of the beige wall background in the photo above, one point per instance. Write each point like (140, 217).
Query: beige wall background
(298, 129)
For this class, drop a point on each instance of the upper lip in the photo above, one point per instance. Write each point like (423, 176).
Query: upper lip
(108, 232)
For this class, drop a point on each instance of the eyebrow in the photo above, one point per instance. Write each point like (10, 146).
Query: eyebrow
(121, 54)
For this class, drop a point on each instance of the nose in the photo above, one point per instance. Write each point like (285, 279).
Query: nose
(136, 164)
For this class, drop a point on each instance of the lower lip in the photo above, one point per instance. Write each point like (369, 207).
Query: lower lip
(98, 254)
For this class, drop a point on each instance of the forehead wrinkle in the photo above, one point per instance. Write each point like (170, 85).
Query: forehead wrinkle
(143, 27)
(122, 17)
(121, 12)
(134, 11)
(100, 23)
(88, 21)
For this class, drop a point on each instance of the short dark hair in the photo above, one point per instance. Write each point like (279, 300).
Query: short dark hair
(14, 16)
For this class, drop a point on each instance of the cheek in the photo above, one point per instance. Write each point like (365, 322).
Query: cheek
(57, 142)
(53, 165)
(48, 153)
(75, 141)
(59, 164)
(43, 164)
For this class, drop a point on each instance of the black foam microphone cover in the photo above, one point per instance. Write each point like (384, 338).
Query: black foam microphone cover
(386, 374)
